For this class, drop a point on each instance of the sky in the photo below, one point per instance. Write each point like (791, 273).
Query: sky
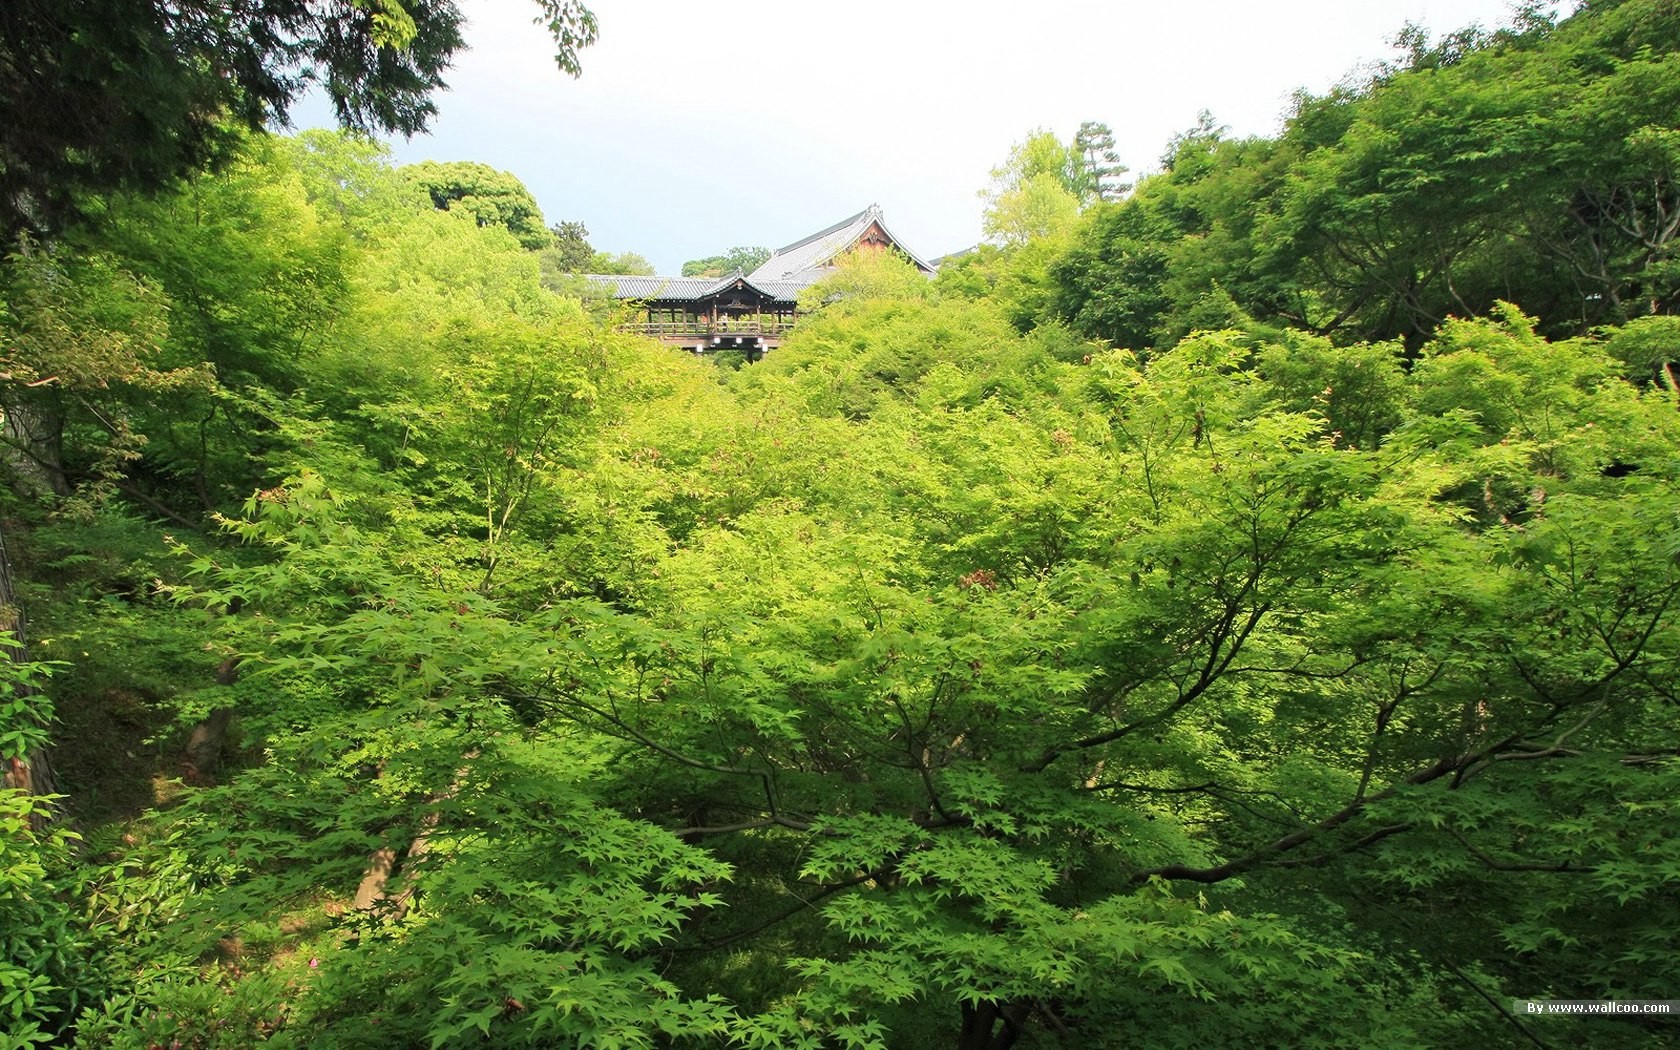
(696, 127)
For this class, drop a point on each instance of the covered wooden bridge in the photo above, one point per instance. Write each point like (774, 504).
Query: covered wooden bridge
(748, 312)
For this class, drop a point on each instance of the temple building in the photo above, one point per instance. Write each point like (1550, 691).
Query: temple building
(750, 312)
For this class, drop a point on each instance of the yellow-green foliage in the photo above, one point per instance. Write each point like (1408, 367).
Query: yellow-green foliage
(927, 683)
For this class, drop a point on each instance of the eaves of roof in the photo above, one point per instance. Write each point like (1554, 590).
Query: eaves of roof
(694, 289)
(637, 286)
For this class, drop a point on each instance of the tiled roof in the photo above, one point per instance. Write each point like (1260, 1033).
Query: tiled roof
(639, 287)
(788, 289)
(691, 289)
(820, 249)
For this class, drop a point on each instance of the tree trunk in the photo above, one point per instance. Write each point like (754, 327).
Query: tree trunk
(981, 1025)
(33, 774)
(204, 748)
(34, 436)
(378, 874)
(386, 862)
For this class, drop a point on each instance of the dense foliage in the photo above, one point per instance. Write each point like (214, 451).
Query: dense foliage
(98, 96)
(745, 260)
(426, 663)
(1535, 165)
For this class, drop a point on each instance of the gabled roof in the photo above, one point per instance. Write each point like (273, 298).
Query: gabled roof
(821, 249)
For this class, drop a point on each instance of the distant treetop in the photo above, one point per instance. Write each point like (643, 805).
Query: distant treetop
(100, 97)
(744, 259)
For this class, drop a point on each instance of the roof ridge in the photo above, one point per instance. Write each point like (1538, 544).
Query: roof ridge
(720, 283)
(836, 228)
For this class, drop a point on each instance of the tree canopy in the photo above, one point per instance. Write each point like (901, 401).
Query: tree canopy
(1038, 191)
(1534, 164)
(491, 197)
(97, 96)
(745, 260)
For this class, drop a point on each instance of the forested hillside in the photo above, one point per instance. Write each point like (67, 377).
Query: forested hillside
(1241, 610)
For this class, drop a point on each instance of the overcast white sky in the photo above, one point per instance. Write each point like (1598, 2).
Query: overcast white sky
(699, 126)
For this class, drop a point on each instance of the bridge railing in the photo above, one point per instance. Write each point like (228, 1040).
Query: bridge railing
(722, 326)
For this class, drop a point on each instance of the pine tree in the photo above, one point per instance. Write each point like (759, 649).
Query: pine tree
(1095, 143)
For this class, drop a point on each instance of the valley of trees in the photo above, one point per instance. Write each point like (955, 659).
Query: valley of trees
(1240, 609)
